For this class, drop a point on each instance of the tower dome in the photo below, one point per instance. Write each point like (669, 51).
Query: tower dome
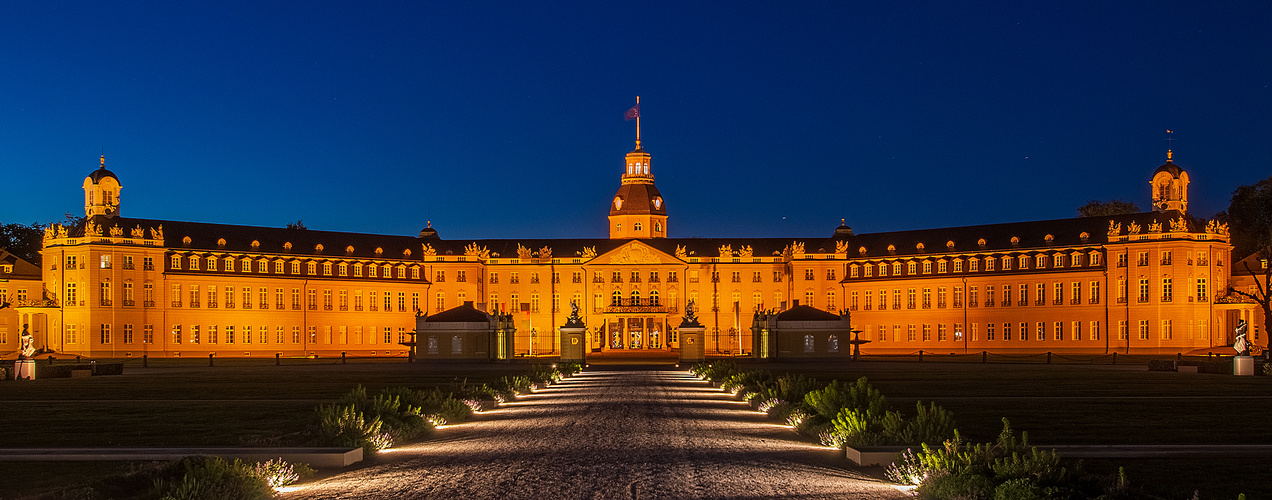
(638, 209)
(1170, 187)
(101, 192)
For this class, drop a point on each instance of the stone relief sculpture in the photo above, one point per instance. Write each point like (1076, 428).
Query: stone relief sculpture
(746, 251)
(1133, 228)
(545, 253)
(726, 250)
(680, 252)
(1115, 228)
(428, 250)
(137, 232)
(589, 252)
(523, 252)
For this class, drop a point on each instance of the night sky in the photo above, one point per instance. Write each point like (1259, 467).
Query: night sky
(505, 119)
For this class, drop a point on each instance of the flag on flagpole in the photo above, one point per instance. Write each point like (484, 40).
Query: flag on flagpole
(633, 113)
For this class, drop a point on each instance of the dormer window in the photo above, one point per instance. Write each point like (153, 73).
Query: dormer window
(636, 226)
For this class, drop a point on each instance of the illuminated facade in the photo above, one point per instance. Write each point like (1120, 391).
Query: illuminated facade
(1140, 283)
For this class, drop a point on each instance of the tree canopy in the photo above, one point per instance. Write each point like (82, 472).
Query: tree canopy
(23, 240)
(1250, 218)
(1105, 208)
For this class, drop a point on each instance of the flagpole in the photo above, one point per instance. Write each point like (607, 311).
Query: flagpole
(637, 122)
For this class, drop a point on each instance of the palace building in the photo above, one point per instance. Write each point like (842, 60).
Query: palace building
(1151, 282)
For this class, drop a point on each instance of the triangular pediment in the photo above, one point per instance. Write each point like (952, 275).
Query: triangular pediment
(635, 252)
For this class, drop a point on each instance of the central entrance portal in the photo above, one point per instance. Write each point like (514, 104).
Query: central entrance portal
(637, 333)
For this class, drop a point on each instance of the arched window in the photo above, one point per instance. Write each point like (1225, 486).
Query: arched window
(635, 297)
(653, 298)
(616, 299)
(636, 226)
(657, 226)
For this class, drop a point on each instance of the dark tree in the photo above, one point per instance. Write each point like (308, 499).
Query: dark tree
(23, 241)
(1106, 208)
(1250, 218)
(299, 224)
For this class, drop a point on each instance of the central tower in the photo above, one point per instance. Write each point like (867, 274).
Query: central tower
(638, 210)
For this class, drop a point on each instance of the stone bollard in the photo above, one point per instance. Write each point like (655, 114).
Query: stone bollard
(77, 360)
(984, 357)
(210, 356)
(1048, 357)
(920, 355)
(278, 360)
(342, 357)
(51, 360)
(1115, 359)
(145, 361)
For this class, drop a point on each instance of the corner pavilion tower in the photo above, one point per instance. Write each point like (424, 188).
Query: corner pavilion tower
(638, 210)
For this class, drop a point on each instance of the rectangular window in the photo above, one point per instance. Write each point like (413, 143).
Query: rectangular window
(1121, 329)
(229, 334)
(1095, 330)
(1168, 331)
(989, 295)
(148, 334)
(910, 298)
(105, 333)
(1042, 331)
(1006, 331)
(1143, 329)
(1167, 289)
(295, 267)
(940, 332)
(247, 334)
(989, 331)
(176, 295)
(973, 265)
(212, 334)
(278, 334)
(989, 263)
(1143, 290)
(1057, 297)
(942, 267)
(1077, 330)
(1095, 292)
(958, 265)
(194, 334)
(1202, 295)
(128, 334)
(1058, 331)
(927, 332)
(295, 335)
(909, 333)
(312, 332)
(176, 334)
(927, 297)
(402, 302)
(1076, 296)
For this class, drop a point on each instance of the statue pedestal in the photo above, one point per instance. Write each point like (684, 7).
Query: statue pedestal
(24, 369)
(1243, 365)
(692, 344)
(572, 344)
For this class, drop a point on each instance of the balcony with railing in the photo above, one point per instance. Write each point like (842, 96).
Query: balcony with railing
(627, 306)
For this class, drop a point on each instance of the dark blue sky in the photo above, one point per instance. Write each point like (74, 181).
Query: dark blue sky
(504, 119)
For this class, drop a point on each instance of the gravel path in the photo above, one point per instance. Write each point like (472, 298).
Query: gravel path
(610, 434)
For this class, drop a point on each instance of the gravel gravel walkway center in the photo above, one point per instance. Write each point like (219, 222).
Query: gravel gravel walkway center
(610, 434)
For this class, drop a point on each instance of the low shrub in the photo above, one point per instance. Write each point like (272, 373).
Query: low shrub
(344, 425)
(1008, 468)
(201, 478)
(1162, 365)
(1218, 365)
(569, 368)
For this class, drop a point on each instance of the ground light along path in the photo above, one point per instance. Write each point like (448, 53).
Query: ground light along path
(611, 434)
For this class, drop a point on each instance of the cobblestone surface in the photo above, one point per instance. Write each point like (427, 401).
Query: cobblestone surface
(610, 434)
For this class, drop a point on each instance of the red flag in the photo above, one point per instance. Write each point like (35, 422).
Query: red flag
(633, 113)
